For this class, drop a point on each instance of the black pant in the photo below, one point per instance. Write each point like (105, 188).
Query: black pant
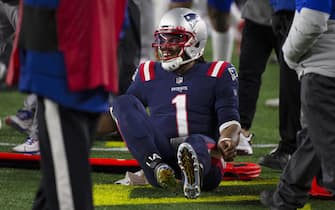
(258, 41)
(289, 90)
(65, 141)
(315, 154)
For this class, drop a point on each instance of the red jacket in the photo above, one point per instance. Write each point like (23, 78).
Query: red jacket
(88, 44)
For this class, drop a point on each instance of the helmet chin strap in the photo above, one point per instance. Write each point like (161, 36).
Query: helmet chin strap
(175, 63)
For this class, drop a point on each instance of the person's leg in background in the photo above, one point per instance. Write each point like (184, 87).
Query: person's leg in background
(61, 130)
(289, 99)
(251, 67)
(31, 144)
(314, 155)
(128, 59)
(147, 28)
(23, 119)
(222, 34)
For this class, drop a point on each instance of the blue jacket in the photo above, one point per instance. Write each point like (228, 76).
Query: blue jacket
(278, 5)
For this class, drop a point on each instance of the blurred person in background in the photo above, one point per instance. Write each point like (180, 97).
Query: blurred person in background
(310, 50)
(8, 19)
(66, 53)
(289, 91)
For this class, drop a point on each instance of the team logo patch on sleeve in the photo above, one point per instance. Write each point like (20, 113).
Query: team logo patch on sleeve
(233, 73)
(147, 71)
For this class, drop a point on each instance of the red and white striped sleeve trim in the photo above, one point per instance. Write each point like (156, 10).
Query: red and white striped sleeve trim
(147, 71)
(217, 68)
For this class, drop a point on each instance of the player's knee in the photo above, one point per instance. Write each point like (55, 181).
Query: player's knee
(219, 20)
(120, 101)
(127, 106)
(124, 103)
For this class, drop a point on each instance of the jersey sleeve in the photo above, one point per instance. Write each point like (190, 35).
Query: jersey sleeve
(226, 102)
(144, 73)
(136, 87)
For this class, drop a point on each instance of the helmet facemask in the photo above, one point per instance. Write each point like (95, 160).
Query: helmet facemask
(170, 47)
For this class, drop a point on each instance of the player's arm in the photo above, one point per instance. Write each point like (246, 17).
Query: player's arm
(229, 139)
(226, 106)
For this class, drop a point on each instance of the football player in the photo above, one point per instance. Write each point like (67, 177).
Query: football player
(176, 108)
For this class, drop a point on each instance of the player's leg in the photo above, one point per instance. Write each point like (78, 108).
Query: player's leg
(222, 34)
(195, 163)
(141, 137)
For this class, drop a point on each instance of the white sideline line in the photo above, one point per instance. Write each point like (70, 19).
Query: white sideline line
(114, 149)
(124, 149)
(264, 145)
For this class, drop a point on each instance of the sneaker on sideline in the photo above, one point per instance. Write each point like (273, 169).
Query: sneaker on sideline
(22, 121)
(190, 167)
(277, 159)
(266, 198)
(272, 102)
(30, 146)
(244, 146)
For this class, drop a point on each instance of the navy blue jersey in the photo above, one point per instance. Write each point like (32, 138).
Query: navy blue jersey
(198, 102)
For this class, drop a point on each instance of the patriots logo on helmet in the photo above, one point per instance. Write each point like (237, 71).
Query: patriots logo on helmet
(192, 19)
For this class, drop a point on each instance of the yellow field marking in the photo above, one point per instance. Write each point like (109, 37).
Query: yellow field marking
(121, 195)
(251, 182)
(115, 144)
(306, 207)
(112, 194)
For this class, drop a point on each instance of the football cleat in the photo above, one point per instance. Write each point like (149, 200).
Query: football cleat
(165, 177)
(22, 121)
(29, 146)
(244, 146)
(190, 167)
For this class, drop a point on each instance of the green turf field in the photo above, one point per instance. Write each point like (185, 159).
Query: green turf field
(18, 186)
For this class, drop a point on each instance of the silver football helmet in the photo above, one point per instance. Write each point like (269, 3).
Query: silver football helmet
(180, 38)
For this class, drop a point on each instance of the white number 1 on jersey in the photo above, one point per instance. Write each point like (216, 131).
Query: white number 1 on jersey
(181, 114)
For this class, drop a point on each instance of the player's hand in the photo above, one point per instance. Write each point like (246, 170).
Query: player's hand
(228, 150)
